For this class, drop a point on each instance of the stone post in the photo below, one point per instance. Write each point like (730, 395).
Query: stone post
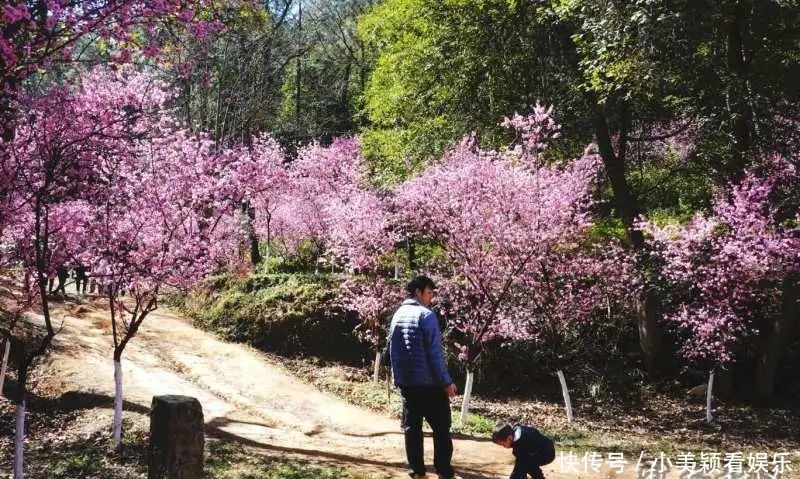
(176, 438)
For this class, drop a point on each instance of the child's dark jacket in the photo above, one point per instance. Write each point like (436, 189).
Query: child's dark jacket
(531, 450)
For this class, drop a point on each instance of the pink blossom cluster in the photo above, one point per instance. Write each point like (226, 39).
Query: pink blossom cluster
(36, 34)
(99, 175)
(730, 263)
(535, 130)
(498, 221)
(329, 204)
(374, 299)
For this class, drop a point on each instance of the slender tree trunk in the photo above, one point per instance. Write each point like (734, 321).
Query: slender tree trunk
(376, 371)
(269, 238)
(117, 403)
(389, 378)
(255, 254)
(467, 397)
(709, 396)
(298, 73)
(650, 334)
(738, 104)
(20, 404)
(4, 365)
(723, 380)
(19, 440)
(776, 338)
(565, 394)
(121, 338)
(344, 97)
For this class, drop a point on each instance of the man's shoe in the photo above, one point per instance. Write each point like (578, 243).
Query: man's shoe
(419, 476)
(455, 476)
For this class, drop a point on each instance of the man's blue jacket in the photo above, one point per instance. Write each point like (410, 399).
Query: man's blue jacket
(415, 347)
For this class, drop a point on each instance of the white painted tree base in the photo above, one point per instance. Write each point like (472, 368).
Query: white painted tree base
(376, 371)
(19, 440)
(117, 405)
(709, 396)
(467, 397)
(565, 393)
(4, 366)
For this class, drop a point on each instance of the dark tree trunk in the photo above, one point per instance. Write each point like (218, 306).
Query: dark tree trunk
(626, 204)
(738, 102)
(776, 337)
(252, 237)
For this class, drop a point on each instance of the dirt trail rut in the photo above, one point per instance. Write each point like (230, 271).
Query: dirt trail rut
(248, 398)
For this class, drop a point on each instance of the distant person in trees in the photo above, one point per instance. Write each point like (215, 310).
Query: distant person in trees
(81, 279)
(419, 370)
(531, 448)
(62, 273)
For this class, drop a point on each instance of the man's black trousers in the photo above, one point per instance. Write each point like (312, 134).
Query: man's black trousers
(432, 404)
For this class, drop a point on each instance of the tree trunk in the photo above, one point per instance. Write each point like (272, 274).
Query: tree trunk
(738, 104)
(565, 393)
(776, 337)
(709, 396)
(723, 380)
(19, 439)
(4, 365)
(269, 238)
(376, 372)
(298, 73)
(467, 397)
(20, 402)
(411, 255)
(255, 254)
(650, 334)
(117, 405)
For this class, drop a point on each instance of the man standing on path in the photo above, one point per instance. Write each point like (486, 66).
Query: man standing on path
(415, 350)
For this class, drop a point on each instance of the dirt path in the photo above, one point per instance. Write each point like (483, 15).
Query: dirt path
(248, 398)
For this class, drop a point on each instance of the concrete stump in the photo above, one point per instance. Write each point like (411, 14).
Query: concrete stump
(176, 438)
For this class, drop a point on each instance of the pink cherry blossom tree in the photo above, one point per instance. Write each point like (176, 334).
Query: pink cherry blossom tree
(568, 292)
(167, 222)
(262, 181)
(35, 35)
(374, 299)
(166, 217)
(63, 137)
(331, 207)
(534, 132)
(494, 215)
(734, 272)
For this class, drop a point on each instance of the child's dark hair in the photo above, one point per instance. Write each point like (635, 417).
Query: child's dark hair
(501, 431)
(419, 283)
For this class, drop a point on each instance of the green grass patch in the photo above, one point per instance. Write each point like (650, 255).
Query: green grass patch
(293, 315)
(87, 457)
(78, 462)
(475, 425)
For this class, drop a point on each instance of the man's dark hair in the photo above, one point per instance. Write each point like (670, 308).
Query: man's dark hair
(502, 431)
(419, 283)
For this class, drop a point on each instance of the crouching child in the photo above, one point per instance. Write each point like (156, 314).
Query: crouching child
(531, 449)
